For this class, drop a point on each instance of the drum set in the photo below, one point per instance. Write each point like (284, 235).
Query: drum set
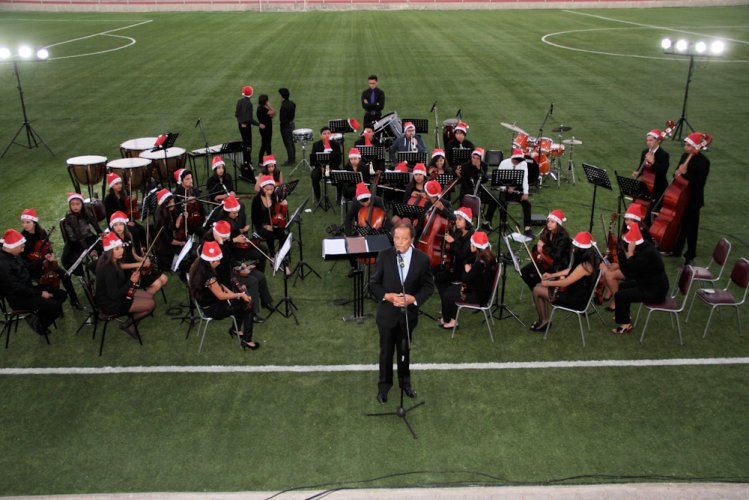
(545, 152)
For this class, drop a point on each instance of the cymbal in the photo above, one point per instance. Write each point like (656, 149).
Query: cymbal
(561, 128)
(572, 142)
(512, 127)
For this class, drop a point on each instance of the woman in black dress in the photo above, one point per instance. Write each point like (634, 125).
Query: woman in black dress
(220, 184)
(552, 251)
(80, 228)
(269, 168)
(263, 206)
(173, 236)
(265, 114)
(151, 279)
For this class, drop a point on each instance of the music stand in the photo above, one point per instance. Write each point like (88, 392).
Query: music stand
(340, 126)
(598, 177)
(282, 260)
(302, 269)
(634, 188)
(372, 154)
(444, 179)
(513, 256)
(411, 157)
(396, 178)
(340, 178)
(404, 210)
(460, 156)
(421, 124)
(323, 160)
(231, 150)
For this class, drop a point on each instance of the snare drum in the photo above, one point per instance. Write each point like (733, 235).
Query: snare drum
(557, 149)
(388, 127)
(448, 130)
(134, 147)
(337, 137)
(302, 135)
(166, 162)
(544, 145)
(521, 141)
(135, 172)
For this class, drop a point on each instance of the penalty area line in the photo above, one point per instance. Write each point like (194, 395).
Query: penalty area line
(517, 365)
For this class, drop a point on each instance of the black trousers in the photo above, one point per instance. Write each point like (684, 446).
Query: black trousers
(266, 136)
(246, 133)
(690, 225)
(449, 295)
(316, 176)
(238, 308)
(525, 204)
(287, 136)
(629, 293)
(270, 238)
(47, 310)
(394, 340)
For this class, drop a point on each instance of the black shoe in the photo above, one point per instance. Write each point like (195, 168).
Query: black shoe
(671, 254)
(487, 227)
(382, 397)
(258, 320)
(688, 262)
(246, 345)
(410, 392)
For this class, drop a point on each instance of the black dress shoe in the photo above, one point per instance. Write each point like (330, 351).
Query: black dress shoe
(671, 254)
(382, 398)
(258, 320)
(410, 392)
(688, 262)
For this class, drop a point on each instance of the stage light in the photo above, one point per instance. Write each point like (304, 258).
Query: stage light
(682, 45)
(666, 43)
(4, 53)
(24, 51)
(700, 47)
(717, 47)
(42, 54)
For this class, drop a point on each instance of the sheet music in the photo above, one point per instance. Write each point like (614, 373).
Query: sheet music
(333, 246)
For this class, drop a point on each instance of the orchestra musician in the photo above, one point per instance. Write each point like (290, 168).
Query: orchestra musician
(552, 252)
(414, 193)
(173, 237)
(220, 184)
(245, 121)
(459, 142)
(241, 249)
(459, 238)
(186, 192)
(347, 190)
(574, 285)
(438, 164)
(373, 101)
(368, 139)
(514, 162)
(364, 200)
(151, 280)
(36, 260)
(116, 292)
(472, 172)
(265, 114)
(20, 292)
(646, 279)
(323, 146)
(114, 201)
(432, 192)
(408, 141)
(269, 168)
(263, 207)
(216, 299)
(656, 158)
(476, 280)
(81, 230)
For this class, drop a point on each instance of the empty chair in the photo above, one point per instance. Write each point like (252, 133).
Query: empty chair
(684, 279)
(484, 308)
(709, 275)
(579, 313)
(739, 280)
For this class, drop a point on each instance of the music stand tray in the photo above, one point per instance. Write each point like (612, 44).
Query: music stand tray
(340, 177)
(409, 211)
(444, 179)
(502, 177)
(460, 156)
(633, 188)
(412, 157)
(421, 124)
(371, 153)
(598, 177)
(339, 126)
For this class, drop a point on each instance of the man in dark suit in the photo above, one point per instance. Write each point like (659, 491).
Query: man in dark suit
(373, 101)
(657, 159)
(245, 121)
(324, 145)
(401, 282)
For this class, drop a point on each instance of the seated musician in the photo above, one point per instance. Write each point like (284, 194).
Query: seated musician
(438, 164)
(81, 230)
(220, 184)
(269, 168)
(459, 239)
(114, 201)
(319, 171)
(173, 237)
(241, 248)
(472, 172)
(253, 280)
(20, 292)
(368, 139)
(216, 299)
(514, 162)
(113, 286)
(552, 252)
(476, 281)
(460, 141)
(414, 193)
(656, 158)
(35, 259)
(409, 141)
(151, 280)
(646, 278)
(365, 211)
(347, 190)
(573, 285)
(432, 191)
(186, 192)
(263, 208)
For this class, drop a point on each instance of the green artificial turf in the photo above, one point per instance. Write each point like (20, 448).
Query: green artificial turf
(65, 434)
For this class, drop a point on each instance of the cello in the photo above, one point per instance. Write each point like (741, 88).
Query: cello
(432, 241)
(667, 226)
(645, 172)
(371, 216)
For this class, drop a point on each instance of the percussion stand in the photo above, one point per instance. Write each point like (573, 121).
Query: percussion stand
(571, 166)
(436, 126)
(303, 161)
(32, 136)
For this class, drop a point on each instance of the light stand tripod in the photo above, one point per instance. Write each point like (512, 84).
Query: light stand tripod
(32, 136)
(683, 119)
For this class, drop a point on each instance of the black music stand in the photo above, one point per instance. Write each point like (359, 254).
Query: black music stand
(323, 162)
(232, 150)
(340, 178)
(372, 155)
(395, 178)
(634, 188)
(444, 179)
(302, 269)
(598, 177)
(411, 157)
(460, 156)
(421, 124)
(340, 126)
(282, 260)
(404, 210)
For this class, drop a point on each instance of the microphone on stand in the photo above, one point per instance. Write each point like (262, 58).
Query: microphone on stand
(197, 123)
(551, 109)
(433, 106)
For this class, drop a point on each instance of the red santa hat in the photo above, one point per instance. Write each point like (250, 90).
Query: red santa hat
(480, 240)
(695, 140)
(466, 213)
(634, 211)
(558, 217)
(655, 133)
(111, 241)
(113, 179)
(478, 152)
(438, 152)
(12, 239)
(420, 169)
(266, 180)
(217, 162)
(231, 204)
(211, 251)
(461, 127)
(517, 154)
(222, 228)
(247, 91)
(401, 167)
(162, 196)
(118, 216)
(362, 191)
(633, 235)
(408, 125)
(29, 214)
(583, 239)
(433, 188)
(354, 124)
(75, 196)
(179, 175)
(354, 153)
(268, 159)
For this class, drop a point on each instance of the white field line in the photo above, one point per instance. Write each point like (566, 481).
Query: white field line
(100, 33)
(519, 365)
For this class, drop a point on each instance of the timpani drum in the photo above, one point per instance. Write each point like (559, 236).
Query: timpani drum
(448, 130)
(134, 147)
(302, 135)
(88, 170)
(166, 162)
(135, 172)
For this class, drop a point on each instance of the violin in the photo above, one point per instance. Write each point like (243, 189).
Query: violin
(41, 247)
(280, 212)
(241, 289)
(195, 212)
(645, 172)
(542, 260)
(371, 216)
(432, 241)
(131, 207)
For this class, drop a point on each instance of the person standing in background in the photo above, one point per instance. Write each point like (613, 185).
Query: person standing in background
(373, 101)
(245, 120)
(265, 114)
(288, 113)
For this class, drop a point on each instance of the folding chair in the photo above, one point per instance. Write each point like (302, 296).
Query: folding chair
(720, 257)
(98, 315)
(685, 276)
(11, 316)
(578, 313)
(474, 203)
(724, 298)
(204, 320)
(484, 308)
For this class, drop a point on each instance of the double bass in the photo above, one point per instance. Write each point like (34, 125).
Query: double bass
(645, 172)
(432, 241)
(667, 226)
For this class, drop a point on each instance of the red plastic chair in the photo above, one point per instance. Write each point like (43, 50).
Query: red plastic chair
(684, 278)
(739, 279)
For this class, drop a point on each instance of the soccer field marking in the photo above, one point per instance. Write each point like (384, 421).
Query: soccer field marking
(516, 365)
(108, 33)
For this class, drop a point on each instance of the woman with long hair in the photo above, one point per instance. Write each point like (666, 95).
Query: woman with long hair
(265, 114)
(220, 184)
(80, 229)
(271, 169)
(262, 213)
(354, 164)
(151, 280)
(170, 242)
(552, 252)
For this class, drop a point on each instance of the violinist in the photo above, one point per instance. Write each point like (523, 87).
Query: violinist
(432, 191)
(321, 170)
(460, 141)
(173, 236)
(368, 139)
(655, 158)
(116, 291)
(220, 184)
(409, 141)
(269, 168)
(39, 258)
(694, 166)
(459, 238)
(552, 252)
(151, 280)
(347, 190)
(240, 234)
(80, 229)
(118, 200)
(216, 299)
(263, 207)
(20, 292)
(646, 278)
(476, 281)
(438, 164)
(574, 285)
(414, 193)
(192, 207)
(514, 162)
(472, 173)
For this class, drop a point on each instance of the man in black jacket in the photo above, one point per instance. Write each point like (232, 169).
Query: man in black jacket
(373, 101)
(286, 119)
(245, 120)
(401, 282)
(656, 158)
(323, 146)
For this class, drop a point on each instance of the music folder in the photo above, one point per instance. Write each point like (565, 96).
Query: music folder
(354, 246)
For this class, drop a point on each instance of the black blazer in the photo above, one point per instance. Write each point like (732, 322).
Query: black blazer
(386, 279)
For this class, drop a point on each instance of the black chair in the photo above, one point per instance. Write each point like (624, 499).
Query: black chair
(97, 315)
(11, 316)
(494, 157)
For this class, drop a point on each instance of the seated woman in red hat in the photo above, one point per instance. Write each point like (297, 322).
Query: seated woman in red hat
(476, 282)
(433, 190)
(220, 184)
(188, 198)
(216, 300)
(171, 229)
(347, 190)
(116, 290)
(80, 229)
(459, 239)
(263, 208)
(115, 201)
(552, 252)
(151, 279)
(270, 168)
(573, 286)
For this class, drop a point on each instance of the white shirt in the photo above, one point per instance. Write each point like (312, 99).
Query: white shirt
(406, 264)
(507, 164)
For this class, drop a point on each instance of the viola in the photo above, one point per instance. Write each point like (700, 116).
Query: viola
(371, 216)
(50, 275)
(241, 289)
(432, 241)
(195, 213)
(280, 212)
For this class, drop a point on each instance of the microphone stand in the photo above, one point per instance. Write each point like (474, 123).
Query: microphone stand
(436, 126)
(548, 114)
(199, 124)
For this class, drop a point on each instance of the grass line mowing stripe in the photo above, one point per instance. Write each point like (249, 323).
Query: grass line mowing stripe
(519, 365)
